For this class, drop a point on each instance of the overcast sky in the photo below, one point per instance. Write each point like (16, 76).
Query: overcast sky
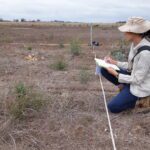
(74, 10)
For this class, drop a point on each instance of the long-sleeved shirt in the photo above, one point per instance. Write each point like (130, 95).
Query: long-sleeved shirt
(139, 79)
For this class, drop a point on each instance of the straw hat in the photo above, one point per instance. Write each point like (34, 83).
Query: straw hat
(136, 25)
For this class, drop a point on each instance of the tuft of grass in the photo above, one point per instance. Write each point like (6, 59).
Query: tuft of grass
(20, 89)
(59, 64)
(26, 99)
(84, 76)
(29, 48)
(61, 45)
(75, 47)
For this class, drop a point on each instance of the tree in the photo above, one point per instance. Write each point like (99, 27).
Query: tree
(1, 20)
(16, 20)
(23, 20)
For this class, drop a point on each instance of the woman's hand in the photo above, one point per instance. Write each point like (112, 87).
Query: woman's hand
(110, 60)
(112, 71)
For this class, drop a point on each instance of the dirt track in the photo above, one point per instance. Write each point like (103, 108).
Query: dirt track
(75, 118)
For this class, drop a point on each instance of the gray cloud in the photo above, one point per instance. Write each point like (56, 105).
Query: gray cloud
(74, 10)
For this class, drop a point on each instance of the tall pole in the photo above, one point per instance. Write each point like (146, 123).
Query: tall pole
(103, 92)
(91, 35)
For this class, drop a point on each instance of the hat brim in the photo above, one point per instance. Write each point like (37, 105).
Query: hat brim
(135, 28)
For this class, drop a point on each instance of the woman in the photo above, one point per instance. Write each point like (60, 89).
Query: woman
(134, 75)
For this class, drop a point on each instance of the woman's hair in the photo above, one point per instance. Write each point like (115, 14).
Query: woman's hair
(146, 35)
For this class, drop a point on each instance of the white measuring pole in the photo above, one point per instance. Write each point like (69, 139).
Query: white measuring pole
(91, 35)
(104, 96)
(107, 112)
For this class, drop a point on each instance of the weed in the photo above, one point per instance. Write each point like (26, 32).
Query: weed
(61, 45)
(75, 47)
(20, 89)
(59, 64)
(29, 48)
(25, 99)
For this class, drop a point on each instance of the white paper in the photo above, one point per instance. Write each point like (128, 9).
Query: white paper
(104, 64)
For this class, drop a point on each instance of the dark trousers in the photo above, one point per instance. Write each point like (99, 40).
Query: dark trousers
(125, 99)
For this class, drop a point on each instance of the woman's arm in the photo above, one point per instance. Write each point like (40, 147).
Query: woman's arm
(141, 70)
(123, 65)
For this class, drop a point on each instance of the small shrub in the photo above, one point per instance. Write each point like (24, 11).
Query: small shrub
(59, 65)
(84, 76)
(23, 20)
(20, 89)
(29, 48)
(75, 47)
(61, 45)
(25, 99)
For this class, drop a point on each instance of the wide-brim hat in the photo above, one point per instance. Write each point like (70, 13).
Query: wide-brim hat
(135, 25)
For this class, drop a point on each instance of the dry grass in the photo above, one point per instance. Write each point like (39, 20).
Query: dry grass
(84, 76)
(57, 111)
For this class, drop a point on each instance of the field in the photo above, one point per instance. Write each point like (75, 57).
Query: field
(50, 98)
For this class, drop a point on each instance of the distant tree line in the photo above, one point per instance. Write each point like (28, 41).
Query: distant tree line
(37, 20)
(1, 20)
(19, 20)
(24, 20)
